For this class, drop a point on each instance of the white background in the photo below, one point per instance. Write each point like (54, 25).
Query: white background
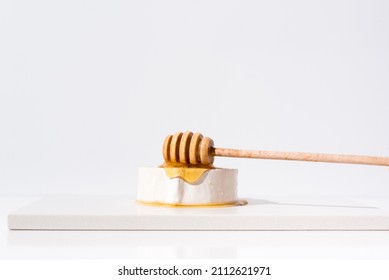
(89, 90)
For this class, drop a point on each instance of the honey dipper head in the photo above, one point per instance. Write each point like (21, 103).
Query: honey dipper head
(188, 148)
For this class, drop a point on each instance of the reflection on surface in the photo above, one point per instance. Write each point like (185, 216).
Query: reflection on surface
(122, 244)
(191, 244)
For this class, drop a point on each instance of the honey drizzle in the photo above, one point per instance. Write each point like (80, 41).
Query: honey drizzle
(187, 172)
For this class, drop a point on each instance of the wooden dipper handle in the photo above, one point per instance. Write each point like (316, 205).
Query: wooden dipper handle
(193, 149)
(353, 159)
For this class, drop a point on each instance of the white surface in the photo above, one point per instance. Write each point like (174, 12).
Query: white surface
(188, 244)
(121, 213)
(215, 186)
(89, 91)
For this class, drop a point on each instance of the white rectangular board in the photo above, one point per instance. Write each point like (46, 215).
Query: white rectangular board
(122, 213)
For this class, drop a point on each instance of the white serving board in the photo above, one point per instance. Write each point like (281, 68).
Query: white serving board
(122, 213)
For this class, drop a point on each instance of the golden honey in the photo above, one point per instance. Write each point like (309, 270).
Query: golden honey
(240, 202)
(188, 173)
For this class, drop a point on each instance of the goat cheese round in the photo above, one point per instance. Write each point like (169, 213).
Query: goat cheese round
(215, 187)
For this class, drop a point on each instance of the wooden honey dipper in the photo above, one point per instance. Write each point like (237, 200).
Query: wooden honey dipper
(194, 149)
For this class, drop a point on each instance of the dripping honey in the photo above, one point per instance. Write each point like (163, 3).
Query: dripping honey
(187, 172)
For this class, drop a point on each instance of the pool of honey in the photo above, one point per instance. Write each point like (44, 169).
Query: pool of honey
(239, 202)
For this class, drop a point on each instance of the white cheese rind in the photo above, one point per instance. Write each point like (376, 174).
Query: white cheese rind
(216, 186)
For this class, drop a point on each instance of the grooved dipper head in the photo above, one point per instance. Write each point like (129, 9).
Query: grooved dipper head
(188, 148)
